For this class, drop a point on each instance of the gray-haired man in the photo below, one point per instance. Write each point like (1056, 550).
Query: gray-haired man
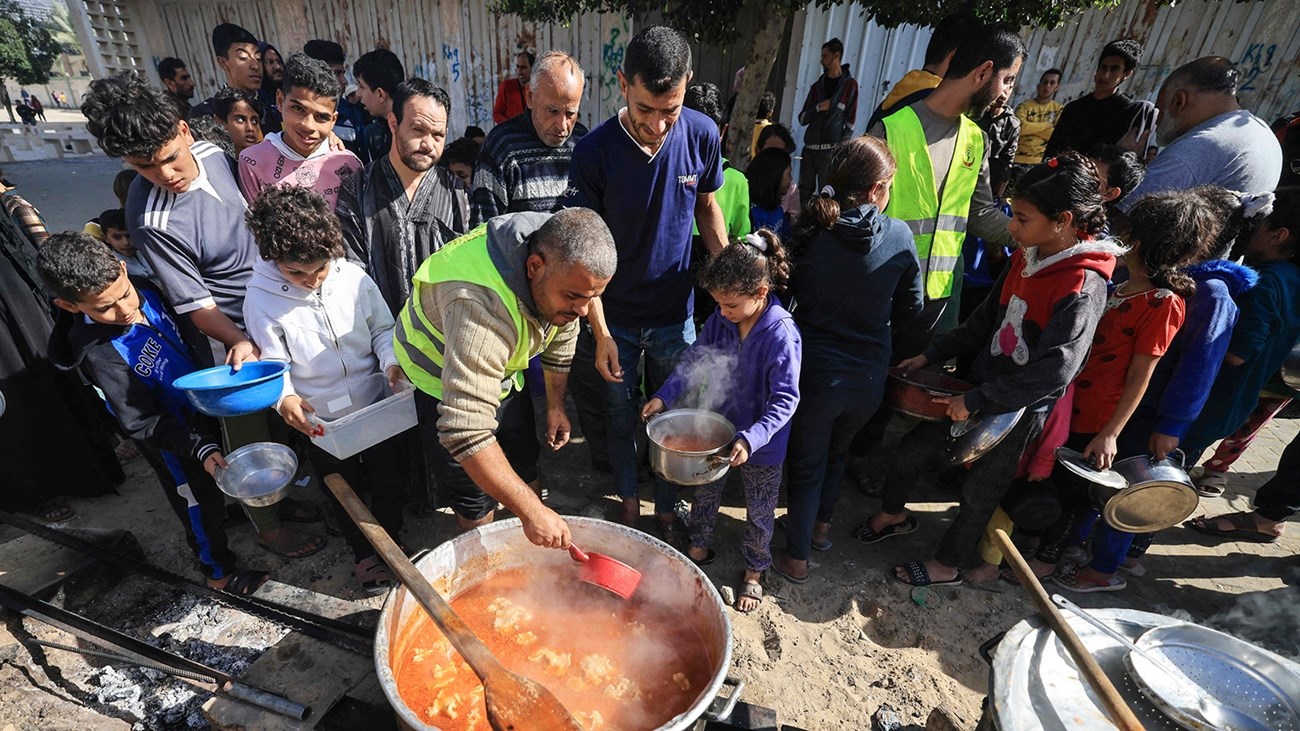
(524, 164)
(480, 308)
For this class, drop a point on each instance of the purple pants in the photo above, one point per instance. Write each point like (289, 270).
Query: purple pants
(762, 488)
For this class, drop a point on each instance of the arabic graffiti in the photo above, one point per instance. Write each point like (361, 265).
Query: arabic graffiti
(1257, 60)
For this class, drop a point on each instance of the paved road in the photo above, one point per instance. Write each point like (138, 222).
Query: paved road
(67, 192)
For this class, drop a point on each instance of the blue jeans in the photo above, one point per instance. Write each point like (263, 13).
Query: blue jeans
(661, 346)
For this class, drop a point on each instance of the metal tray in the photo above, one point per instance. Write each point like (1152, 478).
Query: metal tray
(1236, 673)
(1035, 686)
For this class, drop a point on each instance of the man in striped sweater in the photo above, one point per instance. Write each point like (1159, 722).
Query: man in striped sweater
(524, 165)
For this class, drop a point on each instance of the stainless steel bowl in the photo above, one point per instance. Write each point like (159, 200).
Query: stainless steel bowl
(259, 474)
(1291, 368)
(690, 468)
(971, 439)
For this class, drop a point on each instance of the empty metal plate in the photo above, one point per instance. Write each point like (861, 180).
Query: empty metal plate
(1236, 673)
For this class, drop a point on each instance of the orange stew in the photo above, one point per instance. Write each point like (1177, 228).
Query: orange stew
(615, 664)
(689, 443)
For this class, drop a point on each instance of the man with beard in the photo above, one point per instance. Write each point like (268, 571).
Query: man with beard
(405, 206)
(524, 164)
(482, 307)
(1206, 137)
(829, 112)
(939, 147)
(177, 82)
(651, 171)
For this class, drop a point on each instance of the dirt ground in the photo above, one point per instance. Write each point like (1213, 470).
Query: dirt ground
(825, 655)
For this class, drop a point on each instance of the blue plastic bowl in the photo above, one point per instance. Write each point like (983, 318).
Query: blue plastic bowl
(223, 391)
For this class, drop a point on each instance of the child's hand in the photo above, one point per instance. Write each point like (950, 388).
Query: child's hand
(911, 364)
(1104, 447)
(294, 412)
(1161, 445)
(652, 407)
(957, 410)
(739, 453)
(242, 352)
(395, 376)
(214, 460)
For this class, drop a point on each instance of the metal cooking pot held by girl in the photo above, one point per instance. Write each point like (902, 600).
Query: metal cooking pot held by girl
(1139, 494)
(690, 467)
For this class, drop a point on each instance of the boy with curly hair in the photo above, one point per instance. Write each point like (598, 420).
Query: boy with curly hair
(300, 154)
(309, 306)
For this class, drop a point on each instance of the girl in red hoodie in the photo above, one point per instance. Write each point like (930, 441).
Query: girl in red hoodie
(1031, 337)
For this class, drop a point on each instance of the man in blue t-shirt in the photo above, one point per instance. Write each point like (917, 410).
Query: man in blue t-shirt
(650, 171)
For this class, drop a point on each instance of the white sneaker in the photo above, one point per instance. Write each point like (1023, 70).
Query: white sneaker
(1211, 483)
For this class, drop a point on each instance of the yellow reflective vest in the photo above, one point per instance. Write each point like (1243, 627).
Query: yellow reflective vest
(420, 346)
(938, 223)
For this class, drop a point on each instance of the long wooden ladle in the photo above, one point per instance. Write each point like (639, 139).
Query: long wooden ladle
(1120, 714)
(514, 702)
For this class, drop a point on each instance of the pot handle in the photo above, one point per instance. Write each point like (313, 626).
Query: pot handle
(720, 709)
(1182, 457)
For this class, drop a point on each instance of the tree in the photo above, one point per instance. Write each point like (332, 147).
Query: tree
(27, 50)
(714, 22)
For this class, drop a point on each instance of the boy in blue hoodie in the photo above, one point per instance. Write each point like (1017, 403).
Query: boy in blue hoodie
(124, 336)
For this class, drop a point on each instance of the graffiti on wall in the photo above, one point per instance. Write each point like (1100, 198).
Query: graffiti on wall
(611, 60)
(1255, 62)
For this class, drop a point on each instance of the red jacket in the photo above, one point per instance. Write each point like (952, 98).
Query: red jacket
(510, 100)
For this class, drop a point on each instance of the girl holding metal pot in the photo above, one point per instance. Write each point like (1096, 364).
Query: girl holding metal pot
(751, 344)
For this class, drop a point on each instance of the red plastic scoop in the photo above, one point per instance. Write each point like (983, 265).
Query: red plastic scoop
(607, 573)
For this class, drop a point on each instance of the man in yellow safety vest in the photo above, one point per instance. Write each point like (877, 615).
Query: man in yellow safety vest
(941, 190)
(480, 308)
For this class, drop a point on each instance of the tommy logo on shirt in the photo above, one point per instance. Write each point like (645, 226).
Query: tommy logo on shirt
(687, 179)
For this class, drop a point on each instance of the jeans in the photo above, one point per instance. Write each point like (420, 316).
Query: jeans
(821, 432)
(661, 346)
(813, 170)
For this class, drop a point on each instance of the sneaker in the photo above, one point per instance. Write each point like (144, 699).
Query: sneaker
(1211, 483)
(1076, 555)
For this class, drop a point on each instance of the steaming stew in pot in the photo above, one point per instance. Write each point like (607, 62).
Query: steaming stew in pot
(615, 664)
(689, 443)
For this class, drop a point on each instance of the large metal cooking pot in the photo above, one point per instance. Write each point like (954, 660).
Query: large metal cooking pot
(467, 559)
(1034, 684)
(690, 468)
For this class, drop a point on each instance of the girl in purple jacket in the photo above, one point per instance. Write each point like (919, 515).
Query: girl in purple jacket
(745, 365)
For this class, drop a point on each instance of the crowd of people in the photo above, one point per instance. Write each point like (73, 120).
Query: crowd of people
(1126, 272)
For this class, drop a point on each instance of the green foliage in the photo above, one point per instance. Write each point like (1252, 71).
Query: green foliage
(27, 50)
(714, 21)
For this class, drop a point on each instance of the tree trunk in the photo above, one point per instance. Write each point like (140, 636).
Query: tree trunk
(758, 66)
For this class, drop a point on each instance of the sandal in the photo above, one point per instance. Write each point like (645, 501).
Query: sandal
(299, 511)
(244, 582)
(292, 543)
(864, 534)
(373, 575)
(709, 557)
(1072, 580)
(824, 546)
(54, 510)
(788, 577)
(1243, 528)
(749, 590)
(919, 576)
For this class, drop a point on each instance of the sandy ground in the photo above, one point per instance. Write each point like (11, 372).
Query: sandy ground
(825, 654)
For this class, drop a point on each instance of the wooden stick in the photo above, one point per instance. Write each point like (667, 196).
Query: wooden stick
(1115, 705)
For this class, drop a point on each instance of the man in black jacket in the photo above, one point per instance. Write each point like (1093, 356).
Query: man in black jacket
(829, 113)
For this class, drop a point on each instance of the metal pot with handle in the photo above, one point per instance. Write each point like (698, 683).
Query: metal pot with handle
(686, 466)
(1139, 494)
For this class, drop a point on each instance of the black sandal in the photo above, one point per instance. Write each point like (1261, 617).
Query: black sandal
(245, 582)
(864, 534)
(54, 510)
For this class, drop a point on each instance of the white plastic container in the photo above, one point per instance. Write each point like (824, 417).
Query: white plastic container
(362, 417)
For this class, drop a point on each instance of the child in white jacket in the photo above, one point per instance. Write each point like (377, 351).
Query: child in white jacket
(310, 307)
